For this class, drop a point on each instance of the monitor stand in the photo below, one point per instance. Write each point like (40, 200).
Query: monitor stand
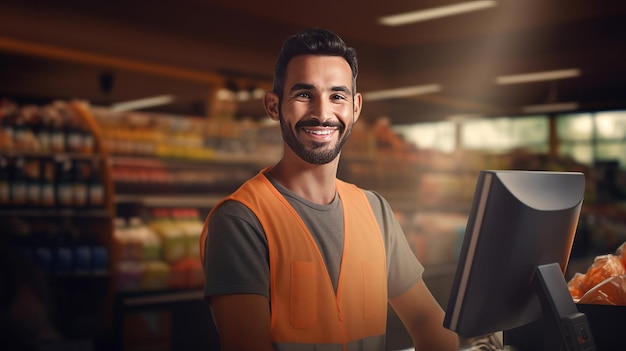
(562, 326)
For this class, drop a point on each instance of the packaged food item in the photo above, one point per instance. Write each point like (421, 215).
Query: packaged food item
(188, 220)
(173, 241)
(611, 291)
(129, 276)
(187, 274)
(156, 275)
(603, 267)
(604, 282)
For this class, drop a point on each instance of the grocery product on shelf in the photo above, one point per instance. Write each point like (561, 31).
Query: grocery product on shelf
(160, 253)
(184, 137)
(171, 233)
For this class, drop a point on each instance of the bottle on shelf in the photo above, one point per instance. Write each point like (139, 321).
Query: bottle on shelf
(47, 180)
(129, 269)
(172, 236)
(18, 184)
(95, 187)
(24, 137)
(63, 249)
(7, 124)
(44, 130)
(79, 183)
(42, 243)
(57, 132)
(32, 174)
(82, 253)
(64, 189)
(99, 258)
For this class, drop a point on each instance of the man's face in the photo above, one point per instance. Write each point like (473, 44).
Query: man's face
(318, 109)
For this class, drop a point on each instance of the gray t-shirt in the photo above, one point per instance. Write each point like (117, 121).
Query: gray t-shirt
(236, 259)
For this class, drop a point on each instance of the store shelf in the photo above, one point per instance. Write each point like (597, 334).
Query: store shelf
(197, 200)
(55, 212)
(151, 298)
(221, 160)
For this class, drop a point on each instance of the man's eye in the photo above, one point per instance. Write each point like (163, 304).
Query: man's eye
(303, 95)
(338, 97)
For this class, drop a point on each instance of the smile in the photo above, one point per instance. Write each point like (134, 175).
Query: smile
(319, 132)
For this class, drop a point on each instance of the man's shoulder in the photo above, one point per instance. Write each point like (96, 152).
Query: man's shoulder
(376, 200)
(233, 208)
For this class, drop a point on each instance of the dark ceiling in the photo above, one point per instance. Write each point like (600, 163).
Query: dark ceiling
(59, 49)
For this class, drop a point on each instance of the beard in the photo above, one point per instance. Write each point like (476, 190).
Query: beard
(315, 153)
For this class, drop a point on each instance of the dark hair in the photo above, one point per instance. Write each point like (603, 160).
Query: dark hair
(314, 41)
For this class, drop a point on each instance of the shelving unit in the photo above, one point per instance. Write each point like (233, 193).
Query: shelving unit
(57, 213)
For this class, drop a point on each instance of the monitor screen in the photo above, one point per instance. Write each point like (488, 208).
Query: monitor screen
(519, 221)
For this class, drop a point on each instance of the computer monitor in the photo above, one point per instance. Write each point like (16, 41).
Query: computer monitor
(512, 261)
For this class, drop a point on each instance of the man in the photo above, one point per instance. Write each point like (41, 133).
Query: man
(296, 259)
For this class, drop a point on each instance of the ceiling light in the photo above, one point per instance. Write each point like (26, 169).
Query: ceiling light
(401, 92)
(225, 95)
(436, 12)
(258, 93)
(243, 95)
(553, 107)
(142, 103)
(538, 76)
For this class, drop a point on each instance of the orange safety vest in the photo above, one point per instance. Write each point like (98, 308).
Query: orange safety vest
(305, 309)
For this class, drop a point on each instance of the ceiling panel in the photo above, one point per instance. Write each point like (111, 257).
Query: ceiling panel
(240, 39)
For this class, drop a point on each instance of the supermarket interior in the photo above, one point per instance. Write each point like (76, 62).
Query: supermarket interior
(123, 123)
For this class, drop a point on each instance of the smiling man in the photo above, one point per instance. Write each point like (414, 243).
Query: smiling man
(297, 259)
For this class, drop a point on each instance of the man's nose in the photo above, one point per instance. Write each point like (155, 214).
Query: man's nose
(322, 110)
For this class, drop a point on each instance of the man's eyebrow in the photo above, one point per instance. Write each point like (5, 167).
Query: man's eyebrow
(342, 88)
(301, 86)
(305, 86)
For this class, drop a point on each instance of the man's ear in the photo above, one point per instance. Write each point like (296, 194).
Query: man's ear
(358, 104)
(270, 102)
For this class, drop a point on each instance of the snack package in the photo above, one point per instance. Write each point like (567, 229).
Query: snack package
(612, 291)
(604, 282)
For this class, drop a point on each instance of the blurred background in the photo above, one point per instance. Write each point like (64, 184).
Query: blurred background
(123, 122)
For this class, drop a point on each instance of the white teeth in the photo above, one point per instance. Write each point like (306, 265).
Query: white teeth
(319, 132)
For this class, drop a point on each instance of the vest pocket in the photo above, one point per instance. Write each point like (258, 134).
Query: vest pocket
(302, 299)
(374, 290)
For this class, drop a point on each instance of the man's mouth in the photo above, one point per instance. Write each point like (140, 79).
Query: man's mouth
(320, 132)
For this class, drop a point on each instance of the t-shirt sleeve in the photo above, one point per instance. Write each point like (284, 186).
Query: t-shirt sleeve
(403, 268)
(236, 259)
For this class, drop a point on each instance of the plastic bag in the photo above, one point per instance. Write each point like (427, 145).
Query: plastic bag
(611, 291)
(604, 282)
(603, 267)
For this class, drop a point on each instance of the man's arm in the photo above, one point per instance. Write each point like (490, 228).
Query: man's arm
(242, 321)
(423, 318)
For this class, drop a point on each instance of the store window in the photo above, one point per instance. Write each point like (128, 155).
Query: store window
(612, 151)
(587, 138)
(611, 125)
(575, 127)
(593, 137)
(610, 128)
(439, 136)
(505, 133)
(580, 152)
